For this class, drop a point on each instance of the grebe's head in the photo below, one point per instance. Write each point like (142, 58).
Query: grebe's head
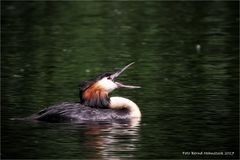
(94, 93)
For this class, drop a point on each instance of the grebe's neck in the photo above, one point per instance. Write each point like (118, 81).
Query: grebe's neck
(124, 103)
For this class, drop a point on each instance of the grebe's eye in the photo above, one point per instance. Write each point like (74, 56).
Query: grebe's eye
(109, 78)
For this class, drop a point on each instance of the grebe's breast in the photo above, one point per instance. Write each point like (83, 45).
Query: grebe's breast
(76, 112)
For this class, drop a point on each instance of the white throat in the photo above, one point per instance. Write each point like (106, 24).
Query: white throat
(121, 103)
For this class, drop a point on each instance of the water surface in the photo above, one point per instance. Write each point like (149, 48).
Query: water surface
(186, 60)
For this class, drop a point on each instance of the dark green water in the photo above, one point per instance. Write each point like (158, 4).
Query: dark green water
(186, 58)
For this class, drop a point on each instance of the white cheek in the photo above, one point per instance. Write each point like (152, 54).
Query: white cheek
(108, 85)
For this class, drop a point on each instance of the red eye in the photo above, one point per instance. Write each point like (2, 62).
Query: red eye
(109, 78)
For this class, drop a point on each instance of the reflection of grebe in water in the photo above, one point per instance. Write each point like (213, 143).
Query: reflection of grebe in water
(95, 104)
(100, 140)
(112, 140)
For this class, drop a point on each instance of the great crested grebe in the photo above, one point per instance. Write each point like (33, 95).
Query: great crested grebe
(95, 104)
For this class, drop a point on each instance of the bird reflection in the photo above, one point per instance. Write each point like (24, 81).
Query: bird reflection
(113, 140)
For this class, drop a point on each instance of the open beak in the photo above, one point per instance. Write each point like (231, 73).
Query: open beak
(119, 72)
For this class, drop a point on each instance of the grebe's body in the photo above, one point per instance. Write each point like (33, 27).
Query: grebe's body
(76, 112)
(94, 105)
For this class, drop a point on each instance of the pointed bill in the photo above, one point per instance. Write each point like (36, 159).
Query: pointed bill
(119, 72)
(116, 74)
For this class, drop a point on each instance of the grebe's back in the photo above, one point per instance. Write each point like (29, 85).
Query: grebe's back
(76, 112)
